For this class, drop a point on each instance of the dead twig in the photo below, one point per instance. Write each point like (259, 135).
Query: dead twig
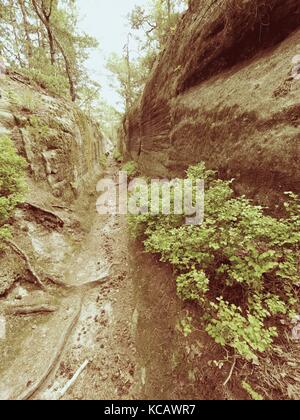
(25, 258)
(71, 382)
(231, 372)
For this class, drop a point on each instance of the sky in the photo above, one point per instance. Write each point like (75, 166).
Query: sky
(106, 21)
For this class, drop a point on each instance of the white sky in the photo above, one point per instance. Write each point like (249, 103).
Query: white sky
(106, 21)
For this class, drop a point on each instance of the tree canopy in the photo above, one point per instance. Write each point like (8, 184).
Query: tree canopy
(40, 38)
(151, 28)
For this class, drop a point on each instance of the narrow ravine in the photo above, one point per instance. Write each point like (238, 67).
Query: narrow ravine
(103, 337)
(115, 333)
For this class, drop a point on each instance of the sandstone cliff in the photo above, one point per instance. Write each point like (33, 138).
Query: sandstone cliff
(62, 146)
(223, 92)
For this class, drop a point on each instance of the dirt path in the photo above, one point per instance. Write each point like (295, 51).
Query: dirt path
(104, 334)
(121, 332)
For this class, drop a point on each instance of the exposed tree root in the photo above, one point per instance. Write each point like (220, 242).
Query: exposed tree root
(26, 395)
(57, 282)
(86, 285)
(230, 373)
(91, 284)
(30, 310)
(25, 258)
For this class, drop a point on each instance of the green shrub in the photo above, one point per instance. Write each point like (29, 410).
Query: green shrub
(250, 391)
(131, 168)
(26, 100)
(103, 161)
(38, 128)
(42, 73)
(241, 265)
(12, 186)
(117, 155)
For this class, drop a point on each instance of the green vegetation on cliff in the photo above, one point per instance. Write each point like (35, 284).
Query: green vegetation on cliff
(12, 184)
(241, 266)
(41, 40)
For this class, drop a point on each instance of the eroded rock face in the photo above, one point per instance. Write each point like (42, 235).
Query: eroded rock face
(62, 146)
(223, 92)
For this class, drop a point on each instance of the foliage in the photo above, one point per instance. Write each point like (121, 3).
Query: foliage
(40, 39)
(253, 394)
(151, 26)
(158, 20)
(117, 155)
(11, 182)
(131, 168)
(38, 128)
(110, 121)
(127, 78)
(185, 326)
(27, 101)
(103, 161)
(241, 265)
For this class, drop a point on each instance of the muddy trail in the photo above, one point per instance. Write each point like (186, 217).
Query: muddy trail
(101, 342)
(85, 349)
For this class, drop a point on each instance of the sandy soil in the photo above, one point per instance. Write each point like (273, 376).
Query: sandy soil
(103, 335)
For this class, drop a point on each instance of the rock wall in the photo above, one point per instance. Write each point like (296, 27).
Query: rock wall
(223, 92)
(62, 146)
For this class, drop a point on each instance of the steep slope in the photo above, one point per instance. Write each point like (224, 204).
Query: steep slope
(61, 144)
(63, 148)
(223, 92)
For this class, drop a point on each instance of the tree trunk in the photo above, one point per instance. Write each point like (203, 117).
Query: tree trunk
(14, 28)
(26, 29)
(129, 81)
(68, 70)
(45, 18)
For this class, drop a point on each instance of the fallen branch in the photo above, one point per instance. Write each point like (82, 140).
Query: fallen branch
(71, 382)
(30, 310)
(25, 258)
(230, 373)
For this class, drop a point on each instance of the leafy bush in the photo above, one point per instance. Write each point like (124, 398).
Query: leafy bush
(25, 100)
(117, 155)
(253, 394)
(131, 168)
(11, 182)
(103, 161)
(38, 128)
(241, 265)
(42, 73)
